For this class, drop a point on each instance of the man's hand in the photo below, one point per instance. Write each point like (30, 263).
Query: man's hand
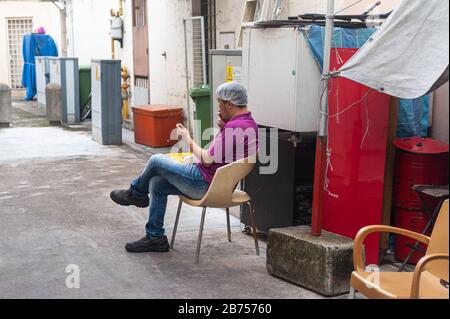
(199, 153)
(184, 133)
(220, 123)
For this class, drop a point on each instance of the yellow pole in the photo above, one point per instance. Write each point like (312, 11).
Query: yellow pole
(125, 87)
(125, 109)
(120, 13)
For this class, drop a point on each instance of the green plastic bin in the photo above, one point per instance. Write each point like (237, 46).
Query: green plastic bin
(85, 86)
(202, 114)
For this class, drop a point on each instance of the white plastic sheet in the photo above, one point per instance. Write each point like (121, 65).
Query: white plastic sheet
(409, 56)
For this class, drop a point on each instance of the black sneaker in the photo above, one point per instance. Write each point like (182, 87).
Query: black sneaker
(125, 198)
(155, 244)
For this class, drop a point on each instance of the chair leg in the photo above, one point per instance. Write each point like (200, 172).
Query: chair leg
(228, 225)
(428, 225)
(252, 213)
(199, 242)
(176, 224)
(352, 293)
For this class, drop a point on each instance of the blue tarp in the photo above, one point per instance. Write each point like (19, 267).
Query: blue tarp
(35, 45)
(413, 114)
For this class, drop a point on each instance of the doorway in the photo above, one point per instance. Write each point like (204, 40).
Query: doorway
(141, 53)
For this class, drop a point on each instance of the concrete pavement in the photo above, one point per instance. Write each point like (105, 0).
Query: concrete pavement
(56, 216)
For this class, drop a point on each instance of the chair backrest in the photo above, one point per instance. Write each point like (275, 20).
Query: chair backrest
(225, 180)
(439, 243)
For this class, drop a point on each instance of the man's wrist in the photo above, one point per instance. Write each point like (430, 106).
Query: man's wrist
(190, 142)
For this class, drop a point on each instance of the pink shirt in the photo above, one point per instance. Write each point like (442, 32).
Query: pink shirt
(236, 140)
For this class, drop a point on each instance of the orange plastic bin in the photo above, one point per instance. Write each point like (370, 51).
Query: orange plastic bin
(154, 123)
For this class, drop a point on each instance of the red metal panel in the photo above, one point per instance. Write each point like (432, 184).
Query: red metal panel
(357, 140)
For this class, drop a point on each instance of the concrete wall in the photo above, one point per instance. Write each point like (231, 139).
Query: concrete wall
(43, 14)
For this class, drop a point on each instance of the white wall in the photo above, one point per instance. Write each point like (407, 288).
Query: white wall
(88, 29)
(88, 32)
(43, 14)
(228, 19)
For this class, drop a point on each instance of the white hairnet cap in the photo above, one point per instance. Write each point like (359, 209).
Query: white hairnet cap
(233, 92)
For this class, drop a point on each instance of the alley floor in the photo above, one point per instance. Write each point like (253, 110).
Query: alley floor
(56, 216)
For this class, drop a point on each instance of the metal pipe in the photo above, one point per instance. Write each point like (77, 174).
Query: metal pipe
(329, 28)
(255, 239)
(200, 234)
(202, 24)
(113, 49)
(174, 233)
(322, 138)
(187, 78)
(228, 225)
(378, 3)
(120, 13)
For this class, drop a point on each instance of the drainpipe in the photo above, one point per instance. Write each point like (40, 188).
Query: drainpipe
(69, 12)
(113, 48)
(125, 76)
(62, 21)
(113, 13)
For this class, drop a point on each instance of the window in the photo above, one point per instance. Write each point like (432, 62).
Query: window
(17, 28)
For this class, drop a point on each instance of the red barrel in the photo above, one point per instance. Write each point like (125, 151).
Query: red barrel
(418, 161)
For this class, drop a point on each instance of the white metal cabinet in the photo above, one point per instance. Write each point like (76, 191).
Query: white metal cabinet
(42, 79)
(106, 102)
(282, 79)
(65, 72)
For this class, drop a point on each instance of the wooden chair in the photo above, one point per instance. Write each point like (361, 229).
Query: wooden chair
(430, 277)
(222, 193)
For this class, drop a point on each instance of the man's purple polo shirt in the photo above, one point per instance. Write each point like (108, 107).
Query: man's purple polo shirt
(236, 140)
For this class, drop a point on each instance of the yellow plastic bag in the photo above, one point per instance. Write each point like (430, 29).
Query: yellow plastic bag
(184, 158)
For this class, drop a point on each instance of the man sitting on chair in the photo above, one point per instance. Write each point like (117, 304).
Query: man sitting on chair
(163, 176)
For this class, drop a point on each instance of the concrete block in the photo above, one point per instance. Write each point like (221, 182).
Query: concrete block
(322, 264)
(5, 105)
(53, 100)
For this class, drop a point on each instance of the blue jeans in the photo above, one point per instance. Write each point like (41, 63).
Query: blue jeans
(164, 176)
